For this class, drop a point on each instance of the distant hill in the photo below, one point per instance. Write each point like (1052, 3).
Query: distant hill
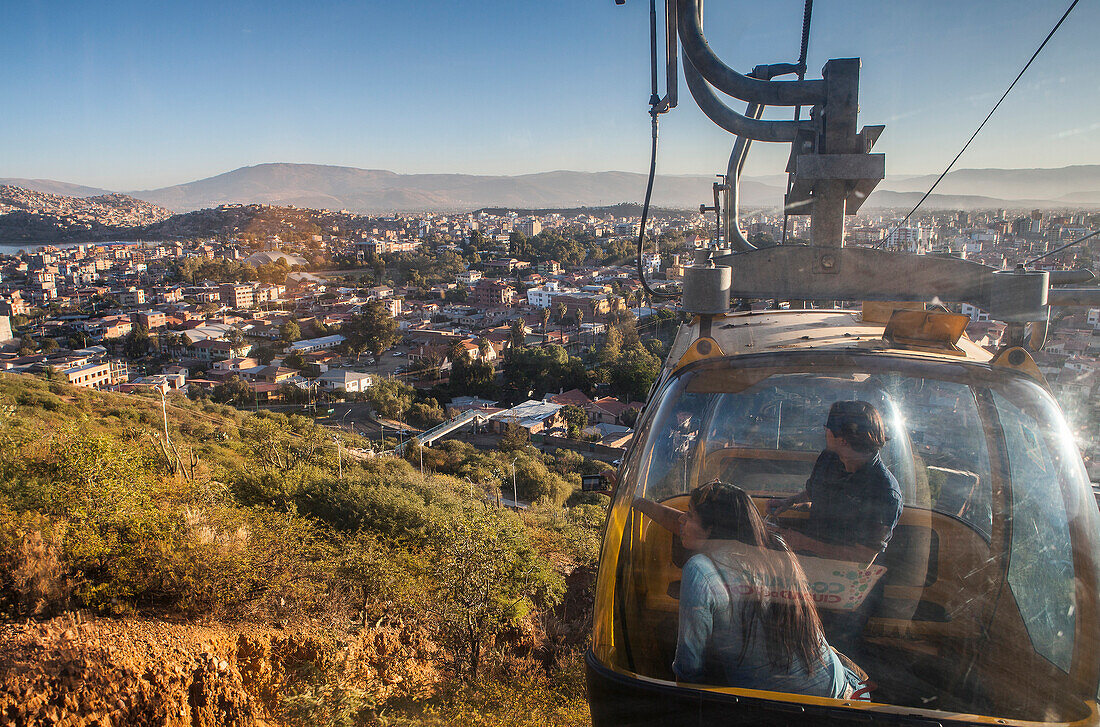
(261, 220)
(28, 216)
(1006, 184)
(373, 190)
(885, 199)
(50, 186)
(362, 191)
(1082, 197)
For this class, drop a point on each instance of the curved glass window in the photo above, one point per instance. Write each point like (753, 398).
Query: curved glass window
(991, 489)
(1040, 569)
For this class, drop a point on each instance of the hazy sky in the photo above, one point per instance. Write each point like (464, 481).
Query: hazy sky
(132, 95)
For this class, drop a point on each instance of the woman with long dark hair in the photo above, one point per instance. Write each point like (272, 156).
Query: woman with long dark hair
(747, 617)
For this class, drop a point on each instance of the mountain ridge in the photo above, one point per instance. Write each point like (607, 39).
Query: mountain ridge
(360, 190)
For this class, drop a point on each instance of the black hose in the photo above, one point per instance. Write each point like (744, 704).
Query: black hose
(645, 216)
(654, 104)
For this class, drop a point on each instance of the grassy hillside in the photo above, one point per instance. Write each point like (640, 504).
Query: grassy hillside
(243, 519)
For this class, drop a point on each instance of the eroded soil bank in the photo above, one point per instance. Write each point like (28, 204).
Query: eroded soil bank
(71, 671)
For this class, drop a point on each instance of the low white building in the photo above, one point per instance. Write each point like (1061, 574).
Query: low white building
(534, 416)
(344, 380)
(317, 344)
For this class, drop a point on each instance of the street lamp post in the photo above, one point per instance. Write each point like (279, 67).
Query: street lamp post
(164, 411)
(339, 457)
(515, 495)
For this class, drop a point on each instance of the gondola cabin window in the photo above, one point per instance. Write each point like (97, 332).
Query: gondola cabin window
(1040, 570)
(969, 600)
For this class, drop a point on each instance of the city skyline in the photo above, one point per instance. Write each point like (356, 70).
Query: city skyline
(131, 97)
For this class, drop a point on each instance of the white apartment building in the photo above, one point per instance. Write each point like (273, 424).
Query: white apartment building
(543, 296)
(974, 313)
(98, 375)
(469, 277)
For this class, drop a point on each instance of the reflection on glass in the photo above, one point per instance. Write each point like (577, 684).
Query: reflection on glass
(1040, 569)
(990, 483)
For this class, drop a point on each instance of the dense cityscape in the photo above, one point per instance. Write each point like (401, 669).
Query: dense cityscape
(335, 302)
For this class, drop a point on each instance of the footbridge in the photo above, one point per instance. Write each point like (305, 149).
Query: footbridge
(429, 436)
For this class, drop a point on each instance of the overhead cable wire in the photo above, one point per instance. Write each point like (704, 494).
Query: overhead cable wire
(1063, 247)
(1008, 90)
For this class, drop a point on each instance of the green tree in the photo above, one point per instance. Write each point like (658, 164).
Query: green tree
(575, 420)
(232, 391)
(264, 354)
(79, 340)
(373, 329)
(236, 338)
(488, 577)
(517, 244)
(630, 417)
(290, 331)
(427, 367)
(517, 334)
(635, 371)
(425, 414)
(560, 311)
(515, 436)
(611, 348)
(470, 375)
(294, 360)
(543, 369)
(627, 323)
(391, 398)
(137, 341)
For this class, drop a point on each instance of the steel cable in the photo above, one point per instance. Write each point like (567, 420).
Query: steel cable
(1004, 95)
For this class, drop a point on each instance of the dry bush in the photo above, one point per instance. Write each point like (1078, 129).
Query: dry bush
(33, 578)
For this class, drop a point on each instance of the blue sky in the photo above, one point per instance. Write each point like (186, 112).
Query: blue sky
(137, 95)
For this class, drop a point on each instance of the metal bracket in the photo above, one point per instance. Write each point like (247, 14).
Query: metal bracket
(860, 172)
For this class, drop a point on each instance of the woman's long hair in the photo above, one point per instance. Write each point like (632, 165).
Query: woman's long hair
(791, 626)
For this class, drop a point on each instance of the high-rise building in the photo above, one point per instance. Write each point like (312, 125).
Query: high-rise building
(529, 227)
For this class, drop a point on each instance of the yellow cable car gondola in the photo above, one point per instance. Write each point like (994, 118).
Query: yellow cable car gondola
(989, 610)
(983, 606)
